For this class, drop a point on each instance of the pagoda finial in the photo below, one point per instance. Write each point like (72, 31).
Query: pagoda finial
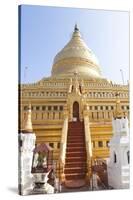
(76, 32)
(28, 122)
(76, 27)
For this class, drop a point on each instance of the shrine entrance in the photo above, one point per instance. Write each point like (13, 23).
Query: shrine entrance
(76, 110)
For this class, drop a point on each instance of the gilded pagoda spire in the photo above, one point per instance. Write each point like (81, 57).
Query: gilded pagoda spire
(27, 128)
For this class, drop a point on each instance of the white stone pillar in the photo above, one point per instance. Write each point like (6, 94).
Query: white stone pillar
(118, 165)
(26, 147)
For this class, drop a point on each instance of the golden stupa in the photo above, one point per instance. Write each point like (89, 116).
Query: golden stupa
(74, 101)
(76, 56)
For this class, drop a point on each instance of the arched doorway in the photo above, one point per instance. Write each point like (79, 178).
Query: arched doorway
(76, 110)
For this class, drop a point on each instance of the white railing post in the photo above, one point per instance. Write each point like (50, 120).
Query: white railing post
(63, 146)
(64, 140)
(88, 142)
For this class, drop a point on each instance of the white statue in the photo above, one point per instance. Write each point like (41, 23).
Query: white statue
(94, 181)
(49, 189)
(35, 160)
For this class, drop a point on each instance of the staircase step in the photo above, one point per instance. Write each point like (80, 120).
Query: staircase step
(76, 140)
(75, 176)
(72, 184)
(75, 136)
(75, 128)
(75, 170)
(75, 131)
(73, 144)
(76, 149)
(77, 122)
(75, 154)
(72, 164)
(76, 159)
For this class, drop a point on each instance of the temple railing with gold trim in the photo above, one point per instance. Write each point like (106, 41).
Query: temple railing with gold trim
(88, 142)
(63, 147)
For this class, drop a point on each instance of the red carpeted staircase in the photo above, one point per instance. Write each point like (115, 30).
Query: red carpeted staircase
(75, 166)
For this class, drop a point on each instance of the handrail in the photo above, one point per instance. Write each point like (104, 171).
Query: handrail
(88, 142)
(87, 137)
(63, 144)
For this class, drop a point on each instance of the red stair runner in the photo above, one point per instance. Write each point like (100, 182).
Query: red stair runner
(75, 166)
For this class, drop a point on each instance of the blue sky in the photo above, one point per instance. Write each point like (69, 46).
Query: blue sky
(46, 30)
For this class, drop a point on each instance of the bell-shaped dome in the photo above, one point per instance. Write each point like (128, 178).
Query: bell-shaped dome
(76, 56)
